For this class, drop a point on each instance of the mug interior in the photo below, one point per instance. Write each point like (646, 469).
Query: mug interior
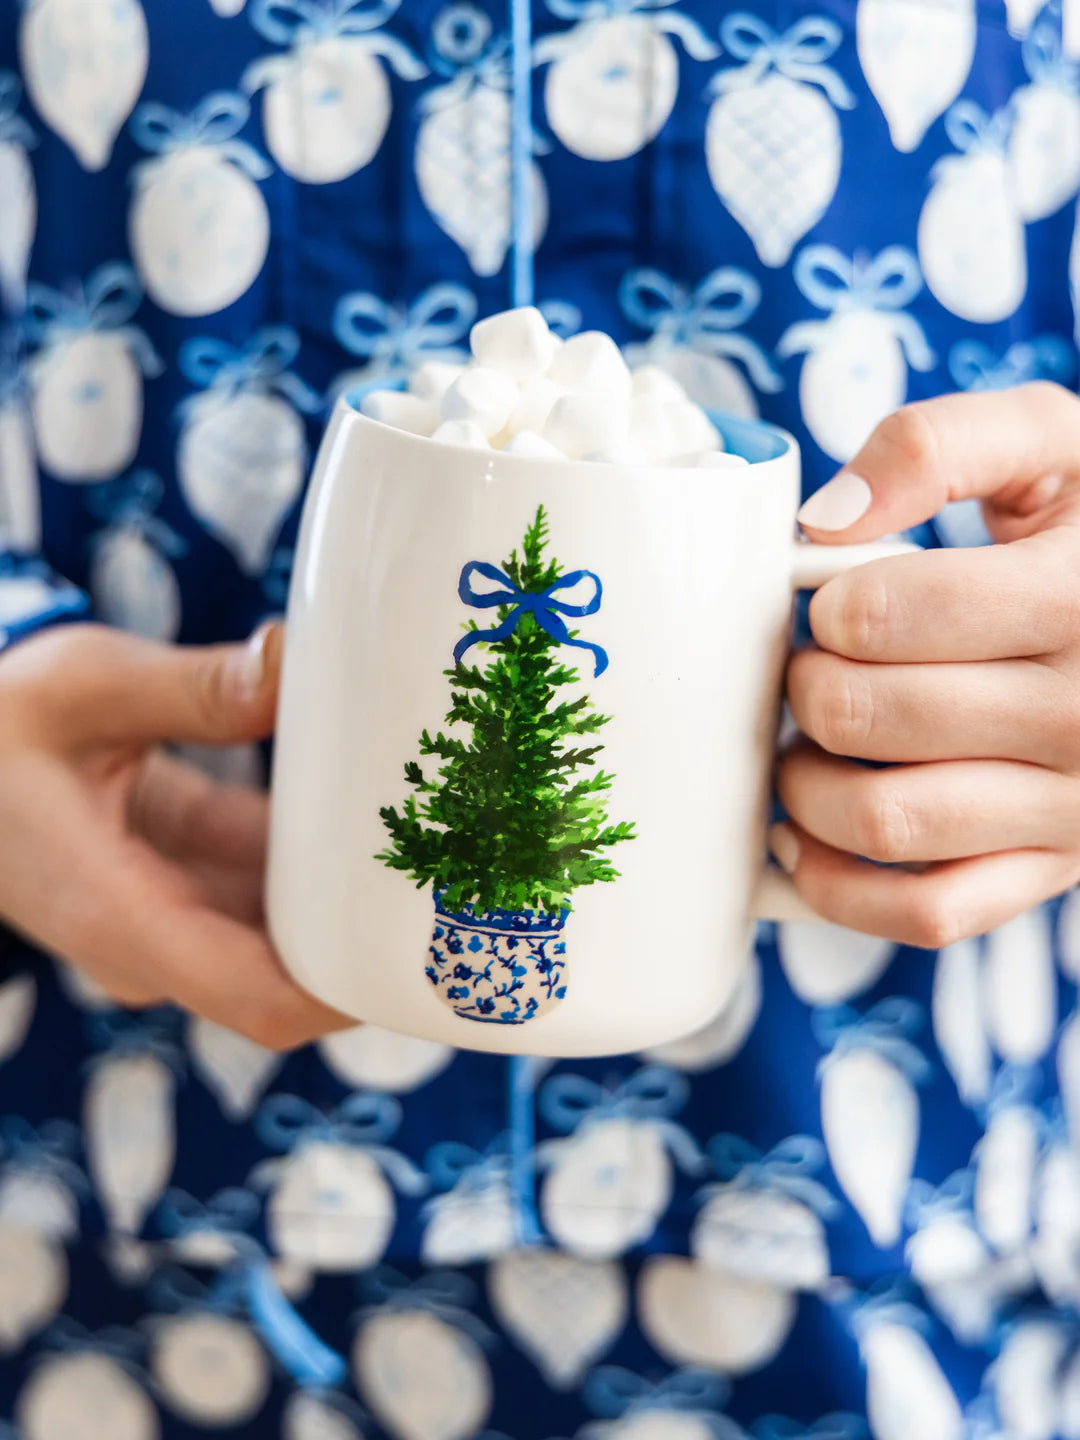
(755, 440)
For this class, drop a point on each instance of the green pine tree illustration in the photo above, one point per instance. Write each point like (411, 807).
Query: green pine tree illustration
(515, 817)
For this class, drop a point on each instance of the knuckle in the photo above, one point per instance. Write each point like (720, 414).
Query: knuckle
(886, 828)
(863, 617)
(845, 711)
(937, 919)
(910, 435)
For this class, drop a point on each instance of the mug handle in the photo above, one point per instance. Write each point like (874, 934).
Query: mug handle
(812, 565)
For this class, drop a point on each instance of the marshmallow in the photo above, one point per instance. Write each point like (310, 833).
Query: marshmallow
(692, 425)
(404, 412)
(580, 424)
(535, 400)
(622, 453)
(528, 442)
(660, 429)
(651, 380)
(431, 380)
(486, 397)
(461, 432)
(517, 342)
(591, 361)
(719, 460)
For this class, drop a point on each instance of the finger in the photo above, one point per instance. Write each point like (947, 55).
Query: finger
(202, 960)
(1007, 709)
(1019, 446)
(990, 603)
(90, 685)
(186, 815)
(937, 907)
(919, 813)
(122, 913)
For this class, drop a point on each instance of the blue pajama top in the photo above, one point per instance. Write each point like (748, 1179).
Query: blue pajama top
(850, 1206)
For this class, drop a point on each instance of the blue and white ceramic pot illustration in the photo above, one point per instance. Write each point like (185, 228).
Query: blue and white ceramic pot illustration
(515, 820)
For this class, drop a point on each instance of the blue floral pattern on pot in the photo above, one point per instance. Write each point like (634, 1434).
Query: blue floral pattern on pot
(501, 967)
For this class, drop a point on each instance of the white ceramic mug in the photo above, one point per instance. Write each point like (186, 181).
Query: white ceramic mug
(670, 596)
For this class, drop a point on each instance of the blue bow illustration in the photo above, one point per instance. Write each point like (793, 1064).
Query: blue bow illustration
(541, 604)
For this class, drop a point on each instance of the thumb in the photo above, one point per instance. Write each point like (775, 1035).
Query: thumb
(1019, 449)
(108, 687)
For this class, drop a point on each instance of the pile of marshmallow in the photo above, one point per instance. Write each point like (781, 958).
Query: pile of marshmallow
(527, 392)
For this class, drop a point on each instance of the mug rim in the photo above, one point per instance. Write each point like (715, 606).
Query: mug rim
(756, 435)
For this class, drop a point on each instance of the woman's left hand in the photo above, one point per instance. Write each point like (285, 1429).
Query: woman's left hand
(960, 667)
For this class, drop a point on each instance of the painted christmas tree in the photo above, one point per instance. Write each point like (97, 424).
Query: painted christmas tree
(515, 818)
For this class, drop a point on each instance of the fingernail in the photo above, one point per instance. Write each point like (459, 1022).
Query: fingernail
(784, 844)
(252, 667)
(845, 499)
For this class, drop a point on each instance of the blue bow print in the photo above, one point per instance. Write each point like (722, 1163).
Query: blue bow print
(588, 13)
(297, 23)
(259, 365)
(799, 54)
(215, 121)
(395, 337)
(887, 1029)
(613, 1391)
(439, 1292)
(540, 604)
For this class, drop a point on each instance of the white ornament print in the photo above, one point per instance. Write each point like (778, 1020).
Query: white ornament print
(870, 1111)
(18, 215)
(916, 59)
(1044, 144)
(857, 361)
(1055, 1251)
(764, 1221)
(198, 227)
(130, 1133)
(695, 338)
(33, 1284)
(331, 1207)
(957, 1013)
(772, 140)
(86, 378)
(85, 1396)
(1025, 1378)
(1005, 1176)
(614, 75)
(393, 339)
(722, 1039)
(463, 152)
(235, 1068)
(18, 996)
(695, 1315)
(418, 1367)
(310, 1416)
(907, 1395)
(370, 1058)
(228, 8)
(131, 581)
(827, 964)
(564, 1312)
(475, 1218)
(609, 1183)
(20, 501)
(326, 106)
(971, 235)
(242, 454)
(84, 67)
(210, 1369)
(1021, 15)
(1020, 988)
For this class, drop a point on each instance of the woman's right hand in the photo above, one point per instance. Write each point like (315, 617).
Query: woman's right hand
(131, 864)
